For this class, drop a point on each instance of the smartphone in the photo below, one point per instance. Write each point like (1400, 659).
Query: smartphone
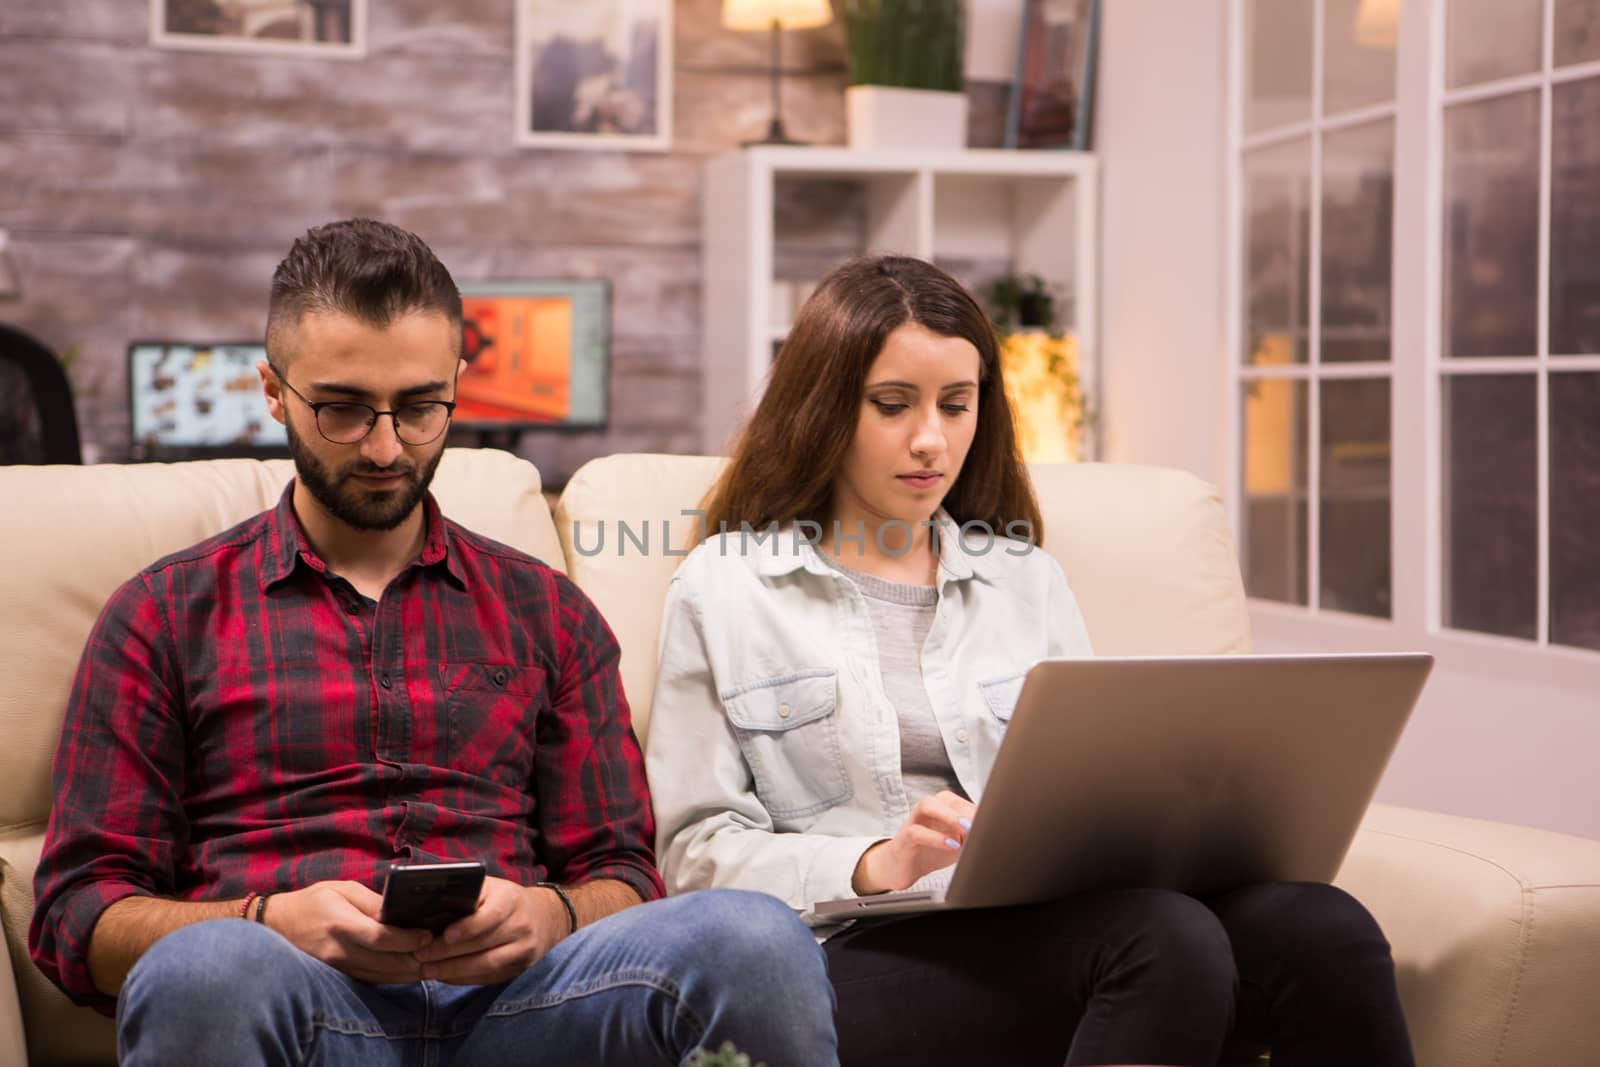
(430, 896)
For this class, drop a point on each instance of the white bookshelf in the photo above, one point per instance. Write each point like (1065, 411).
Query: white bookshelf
(1035, 212)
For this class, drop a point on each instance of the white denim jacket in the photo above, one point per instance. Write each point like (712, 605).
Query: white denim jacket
(774, 756)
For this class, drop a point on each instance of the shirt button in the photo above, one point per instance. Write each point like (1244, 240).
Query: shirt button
(961, 735)
(352, 607)
(499, 677)
(384, 681)
(783, 711)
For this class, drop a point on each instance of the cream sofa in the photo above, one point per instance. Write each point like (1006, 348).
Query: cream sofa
(1496, 929)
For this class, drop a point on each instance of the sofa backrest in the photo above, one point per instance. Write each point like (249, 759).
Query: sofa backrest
(1147, 551)
(69, 537)
(627, 582)
(73, 534)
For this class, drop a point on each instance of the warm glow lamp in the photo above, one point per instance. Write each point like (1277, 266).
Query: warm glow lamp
(1377, 23)
(777, 16)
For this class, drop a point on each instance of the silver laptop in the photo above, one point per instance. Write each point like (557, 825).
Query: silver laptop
(1191, 773)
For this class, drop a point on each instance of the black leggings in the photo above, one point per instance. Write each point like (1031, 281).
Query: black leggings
(1124, 976)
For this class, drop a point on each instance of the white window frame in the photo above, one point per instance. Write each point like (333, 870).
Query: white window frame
(1416, 372)
(1539, 363)
(1314, 371)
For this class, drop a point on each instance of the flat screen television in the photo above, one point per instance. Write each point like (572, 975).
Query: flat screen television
(538, 358)
(199, 400)
(538, 355)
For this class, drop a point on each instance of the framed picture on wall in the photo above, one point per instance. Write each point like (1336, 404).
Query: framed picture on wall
(1052, 98)
(596, 74)
(335, 28)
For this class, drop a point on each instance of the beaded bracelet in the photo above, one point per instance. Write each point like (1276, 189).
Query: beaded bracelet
(566, 902)
(261, 908)
(244, 909)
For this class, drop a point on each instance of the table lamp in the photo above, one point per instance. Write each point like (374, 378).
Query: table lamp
(776, 15)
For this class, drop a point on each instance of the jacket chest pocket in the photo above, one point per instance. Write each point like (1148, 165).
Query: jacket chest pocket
(491, 713)
(788, 730)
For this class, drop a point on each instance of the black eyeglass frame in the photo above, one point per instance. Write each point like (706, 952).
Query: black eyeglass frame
(373, 413)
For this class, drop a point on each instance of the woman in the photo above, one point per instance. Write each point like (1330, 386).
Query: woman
(830, 700)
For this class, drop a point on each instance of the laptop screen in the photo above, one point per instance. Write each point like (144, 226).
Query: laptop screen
(199, 398)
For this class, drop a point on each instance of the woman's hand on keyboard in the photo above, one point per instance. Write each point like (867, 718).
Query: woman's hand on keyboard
(930, 838)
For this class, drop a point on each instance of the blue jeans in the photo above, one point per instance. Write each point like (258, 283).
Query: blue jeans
(648, 985)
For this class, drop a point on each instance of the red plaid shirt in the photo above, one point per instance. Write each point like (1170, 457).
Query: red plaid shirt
(244, 720)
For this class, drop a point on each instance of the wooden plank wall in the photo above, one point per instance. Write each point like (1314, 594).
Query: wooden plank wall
(150, 192)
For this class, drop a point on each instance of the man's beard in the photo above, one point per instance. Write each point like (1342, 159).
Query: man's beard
(359, 508)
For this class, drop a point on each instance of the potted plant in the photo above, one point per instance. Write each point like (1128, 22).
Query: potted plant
(1039, 364)
(907, 88)
(726, 1056)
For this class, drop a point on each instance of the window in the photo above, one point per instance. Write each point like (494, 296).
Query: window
(1519, 360)
(1495, 346)
(1316, 173)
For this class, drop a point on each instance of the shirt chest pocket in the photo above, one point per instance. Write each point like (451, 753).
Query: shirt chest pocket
(788, 730)
(1000, 694)
(491, 713)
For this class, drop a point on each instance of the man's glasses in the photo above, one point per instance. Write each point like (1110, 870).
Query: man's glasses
(345, 422)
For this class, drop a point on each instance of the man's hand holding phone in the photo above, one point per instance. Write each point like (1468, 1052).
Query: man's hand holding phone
(337, 922)
(502, 930)
(513, 926)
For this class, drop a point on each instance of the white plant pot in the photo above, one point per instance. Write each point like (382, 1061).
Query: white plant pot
(880, 116)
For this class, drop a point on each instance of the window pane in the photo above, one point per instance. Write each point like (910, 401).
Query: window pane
(1489, 39)
(1275, 490)
(1575, 217)
(1277, 252)
(1577, 31)
(1491, 227)
(1490, 504)
(1278, 90)
(1575, 509)
(1357, 242)
(1358, 60)
(1355, 496)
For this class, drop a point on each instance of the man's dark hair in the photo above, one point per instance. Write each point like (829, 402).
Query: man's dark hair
(367, 269)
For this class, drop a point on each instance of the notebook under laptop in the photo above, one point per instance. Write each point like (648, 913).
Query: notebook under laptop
(1190, 773)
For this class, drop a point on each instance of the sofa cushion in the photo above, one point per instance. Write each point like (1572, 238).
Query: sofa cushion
(1150, 556)
(80, 532)
(1147, 551)
(625, 576)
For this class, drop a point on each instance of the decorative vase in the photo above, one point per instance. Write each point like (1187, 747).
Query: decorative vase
(881, 116)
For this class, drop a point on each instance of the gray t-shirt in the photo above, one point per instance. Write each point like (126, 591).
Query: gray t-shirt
(901, 616)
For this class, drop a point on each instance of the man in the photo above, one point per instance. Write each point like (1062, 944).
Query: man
(263, 723)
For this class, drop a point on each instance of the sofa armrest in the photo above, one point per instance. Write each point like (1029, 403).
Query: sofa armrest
(13, 1043)
(1495, 931)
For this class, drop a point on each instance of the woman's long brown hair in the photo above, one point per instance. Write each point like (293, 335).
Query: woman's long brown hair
(789, 452)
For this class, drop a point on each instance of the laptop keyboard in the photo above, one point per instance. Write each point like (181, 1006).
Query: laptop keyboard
(933, 880)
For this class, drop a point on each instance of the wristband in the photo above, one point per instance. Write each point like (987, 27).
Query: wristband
(261, 908)
(566, 902)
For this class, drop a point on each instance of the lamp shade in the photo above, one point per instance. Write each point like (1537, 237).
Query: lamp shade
(1377, 23)
(789, 14)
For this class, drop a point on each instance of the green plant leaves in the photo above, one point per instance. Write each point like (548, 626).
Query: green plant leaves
(909, 44)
